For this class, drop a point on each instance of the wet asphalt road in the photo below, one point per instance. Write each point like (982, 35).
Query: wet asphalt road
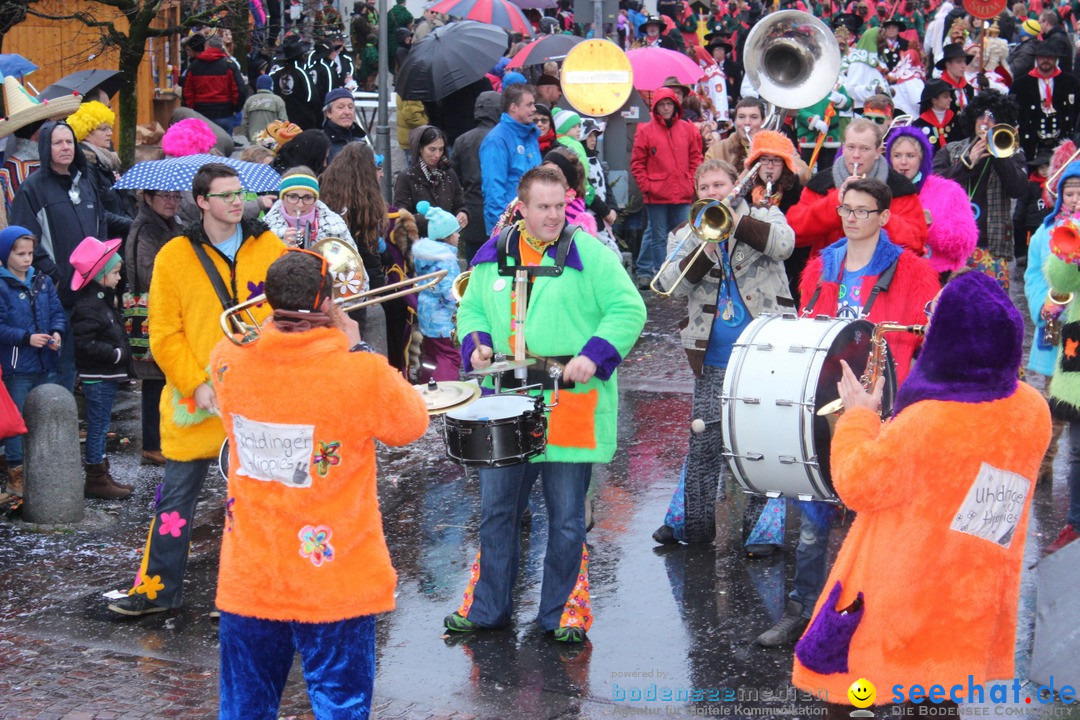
(678, 618)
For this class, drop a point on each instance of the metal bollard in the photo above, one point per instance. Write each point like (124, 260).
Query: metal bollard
(53, 479)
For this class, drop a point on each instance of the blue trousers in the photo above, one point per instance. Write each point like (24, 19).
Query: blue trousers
(662, 220)
(811, 560)
(256, 656)
(100, 397)
(504, 494)
(1073, 518)
(18, 387)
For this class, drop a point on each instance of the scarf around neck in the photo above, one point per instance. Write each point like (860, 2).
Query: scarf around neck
(879, 171)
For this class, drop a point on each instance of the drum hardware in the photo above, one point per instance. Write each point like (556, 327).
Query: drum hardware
(442, 397)
(875, 363)
(501, 365)
(346, 268)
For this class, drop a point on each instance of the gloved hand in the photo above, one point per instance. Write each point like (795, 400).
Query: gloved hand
(818, 124)
(837, 98)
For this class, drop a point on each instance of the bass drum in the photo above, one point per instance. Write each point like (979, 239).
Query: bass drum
(782, 370)
(223, 459)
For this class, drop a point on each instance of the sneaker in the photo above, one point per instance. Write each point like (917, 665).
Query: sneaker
(459, 624)
(643, 282)
(788, 630)
(1066, 536)
(569, 635)
(665, 535)
(135, 606)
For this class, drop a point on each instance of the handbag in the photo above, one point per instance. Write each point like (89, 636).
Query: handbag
(11, 420)
(134, 306)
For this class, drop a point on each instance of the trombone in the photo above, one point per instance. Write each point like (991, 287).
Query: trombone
(346, 269)
(711, 221)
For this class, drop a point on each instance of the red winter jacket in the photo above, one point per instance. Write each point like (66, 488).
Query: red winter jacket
(913, 285)
(665, 158)
(212, 84)
(817, 225)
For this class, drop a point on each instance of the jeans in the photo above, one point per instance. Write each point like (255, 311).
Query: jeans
(99, 404)
(662, 219)
(256, 656)
(1073, 518)
(167, 549)
(504, 494)
(811, 557)
(151, 414)
(18, 387)
(228, 122)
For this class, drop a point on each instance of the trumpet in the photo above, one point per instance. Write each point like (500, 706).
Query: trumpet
(346, 269)
(875, 363)
(1003, 141)
(711, 221)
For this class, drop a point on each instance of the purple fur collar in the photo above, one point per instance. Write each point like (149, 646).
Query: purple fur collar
(489, 252)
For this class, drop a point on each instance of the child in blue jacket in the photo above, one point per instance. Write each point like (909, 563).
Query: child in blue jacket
(32, 324)
(436, 306)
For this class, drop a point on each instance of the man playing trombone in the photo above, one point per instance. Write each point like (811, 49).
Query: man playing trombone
(217, 262)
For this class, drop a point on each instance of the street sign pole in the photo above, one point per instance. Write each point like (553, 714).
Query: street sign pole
(382, 128)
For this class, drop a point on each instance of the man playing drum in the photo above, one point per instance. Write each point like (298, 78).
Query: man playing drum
(587, 317)
(863, 275)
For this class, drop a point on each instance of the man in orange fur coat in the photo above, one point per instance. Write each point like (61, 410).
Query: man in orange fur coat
(925, 588)
(304, 563)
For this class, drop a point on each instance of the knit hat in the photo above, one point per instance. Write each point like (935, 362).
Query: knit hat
(1031, 27)
(112, 262)
(8, 236)
(440, 224)
(89, 258)
(336, 94)
(564, 120)
(263, 82)
(770, 142)
(512, 77)
(972, 349)
(299, 182)
(90, 116)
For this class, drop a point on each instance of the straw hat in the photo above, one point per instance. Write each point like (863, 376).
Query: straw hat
(24, 109)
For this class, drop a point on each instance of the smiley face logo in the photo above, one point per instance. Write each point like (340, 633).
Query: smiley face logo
(861, 693)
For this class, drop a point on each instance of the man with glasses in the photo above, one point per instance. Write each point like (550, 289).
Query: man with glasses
(218, 262)
(814, 217)
(862, 275)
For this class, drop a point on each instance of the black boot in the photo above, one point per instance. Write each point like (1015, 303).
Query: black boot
(788, 630)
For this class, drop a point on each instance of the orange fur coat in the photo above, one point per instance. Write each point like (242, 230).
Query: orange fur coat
(940, 603)
(303, 538)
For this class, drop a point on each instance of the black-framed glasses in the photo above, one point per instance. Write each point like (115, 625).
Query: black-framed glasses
(229, 196)
(771, 161)
(298, 199)
(844, 211)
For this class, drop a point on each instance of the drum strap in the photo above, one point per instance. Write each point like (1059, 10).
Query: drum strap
(508, 239)
(883, 282)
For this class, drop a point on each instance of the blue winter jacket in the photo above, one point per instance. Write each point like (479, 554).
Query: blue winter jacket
(436, 306)
(25, 308)
(509, 151)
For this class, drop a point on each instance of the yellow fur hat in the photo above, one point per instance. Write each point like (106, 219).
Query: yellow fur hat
(90, 115)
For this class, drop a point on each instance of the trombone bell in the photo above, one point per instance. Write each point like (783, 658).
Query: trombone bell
(461, 282)
(711, 221)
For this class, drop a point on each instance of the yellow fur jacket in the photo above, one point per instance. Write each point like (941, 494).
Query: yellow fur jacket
(184, 313)
(303, 534)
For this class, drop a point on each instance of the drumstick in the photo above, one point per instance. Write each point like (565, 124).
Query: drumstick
(521, 293)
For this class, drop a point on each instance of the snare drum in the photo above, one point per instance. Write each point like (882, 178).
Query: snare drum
(496, 430)
(781, 371)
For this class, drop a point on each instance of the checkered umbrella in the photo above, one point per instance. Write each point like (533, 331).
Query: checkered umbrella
(176, 174)
(503, 13)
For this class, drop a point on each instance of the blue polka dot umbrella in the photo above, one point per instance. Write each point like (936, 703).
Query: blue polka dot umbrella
(176, 174)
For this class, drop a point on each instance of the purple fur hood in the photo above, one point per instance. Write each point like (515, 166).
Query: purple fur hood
(973, 347)
(926, 167)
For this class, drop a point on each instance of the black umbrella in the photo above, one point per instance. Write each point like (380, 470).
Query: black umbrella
(84, 82)
(449, 58)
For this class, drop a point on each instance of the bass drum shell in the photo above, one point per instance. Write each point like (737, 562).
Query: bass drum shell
(496, 431)
(782, 370)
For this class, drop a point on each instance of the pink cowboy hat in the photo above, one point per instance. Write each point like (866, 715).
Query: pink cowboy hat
(88, 259)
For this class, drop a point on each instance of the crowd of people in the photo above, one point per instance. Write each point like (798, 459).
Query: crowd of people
(841, 208)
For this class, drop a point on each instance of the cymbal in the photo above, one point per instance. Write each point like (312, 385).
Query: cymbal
(447, 395)
(502, 366)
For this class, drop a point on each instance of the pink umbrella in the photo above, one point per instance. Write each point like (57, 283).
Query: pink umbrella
(654, 65)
